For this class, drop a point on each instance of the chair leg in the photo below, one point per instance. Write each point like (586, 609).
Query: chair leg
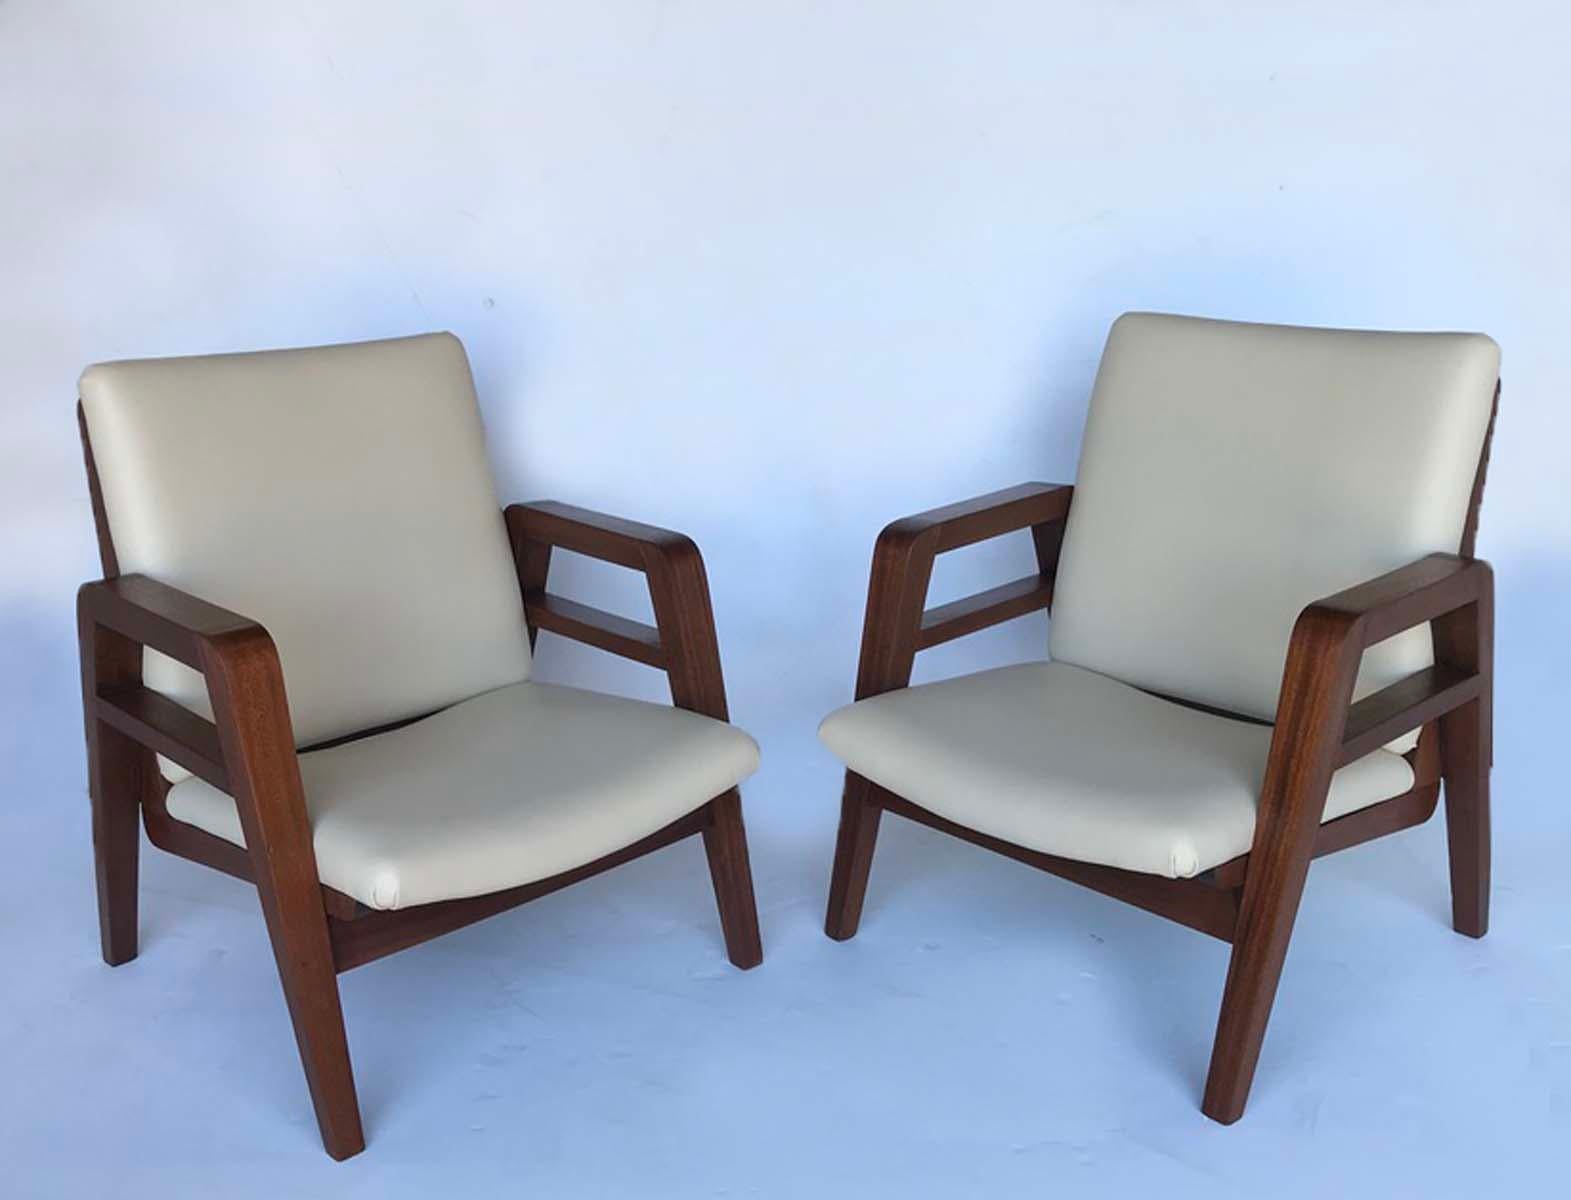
(115, 766)
(1465, 769)
(859, 816)
(1265, 927)
(310, 981)
(725, 845)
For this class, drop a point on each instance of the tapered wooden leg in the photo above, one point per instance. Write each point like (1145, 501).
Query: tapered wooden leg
(115, 765)
(725, 844)
(859, 816)
(117, 769)
(1465, 768)
(1259, 950)
(1322, 663)
(247, 687)
(305, 967)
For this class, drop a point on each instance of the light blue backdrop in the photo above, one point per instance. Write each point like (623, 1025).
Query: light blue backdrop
(774, 274)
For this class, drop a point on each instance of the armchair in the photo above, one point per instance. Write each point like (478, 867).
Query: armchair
(1206, 725)
(365, 744)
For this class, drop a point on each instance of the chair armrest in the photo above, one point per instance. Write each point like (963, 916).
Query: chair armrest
(1455, 593)
(682, 642)
(248, 750)
(118, 617)
(165, 618)
(897, 626)
(1318, 726)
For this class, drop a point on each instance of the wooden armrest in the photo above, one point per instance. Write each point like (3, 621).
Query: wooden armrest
(982, 517)
(1333, 633)
(1319, 728)
(154, 614)
(682, 642)
(248, 750)
(897, 626)
(1446, 589)
(1424, 589)
(599, 535)
(144, 612)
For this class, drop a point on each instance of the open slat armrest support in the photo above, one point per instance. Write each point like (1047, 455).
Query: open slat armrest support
(595, 627)
(157, 722)
(1404, 706)
(1319, 728)
(212, 640)
(992, 607)
(897, 626)
(1446, 589)
(683, 641)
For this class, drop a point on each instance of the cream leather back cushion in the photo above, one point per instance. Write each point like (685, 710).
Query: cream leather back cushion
(1232, 474)
(338, 495)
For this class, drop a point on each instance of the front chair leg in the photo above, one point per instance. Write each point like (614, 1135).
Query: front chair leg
(247, 688)
(1465, 769)
(1265, 927)
(725, 844)
(115, 771)
(859, 816)
(305, 968)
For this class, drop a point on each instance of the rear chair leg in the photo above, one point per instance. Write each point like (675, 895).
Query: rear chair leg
(725, 844)
(859, 816)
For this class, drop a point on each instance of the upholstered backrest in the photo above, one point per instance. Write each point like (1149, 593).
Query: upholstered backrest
(340, 496)
(1231, 474)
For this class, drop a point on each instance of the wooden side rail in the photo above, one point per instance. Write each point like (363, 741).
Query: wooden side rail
(992, 607)
(595, 627)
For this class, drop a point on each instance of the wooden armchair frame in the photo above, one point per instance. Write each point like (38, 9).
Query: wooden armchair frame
(248, 751)
(1252, 900)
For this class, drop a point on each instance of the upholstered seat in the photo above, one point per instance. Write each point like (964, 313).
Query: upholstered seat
(516, 785)
(1060, 759)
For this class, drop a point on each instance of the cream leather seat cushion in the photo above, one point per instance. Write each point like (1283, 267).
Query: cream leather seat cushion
(1068, 762)
(509, 787)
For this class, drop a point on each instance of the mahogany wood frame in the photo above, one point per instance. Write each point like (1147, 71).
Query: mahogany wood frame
(248, 750)
(1251, 901)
